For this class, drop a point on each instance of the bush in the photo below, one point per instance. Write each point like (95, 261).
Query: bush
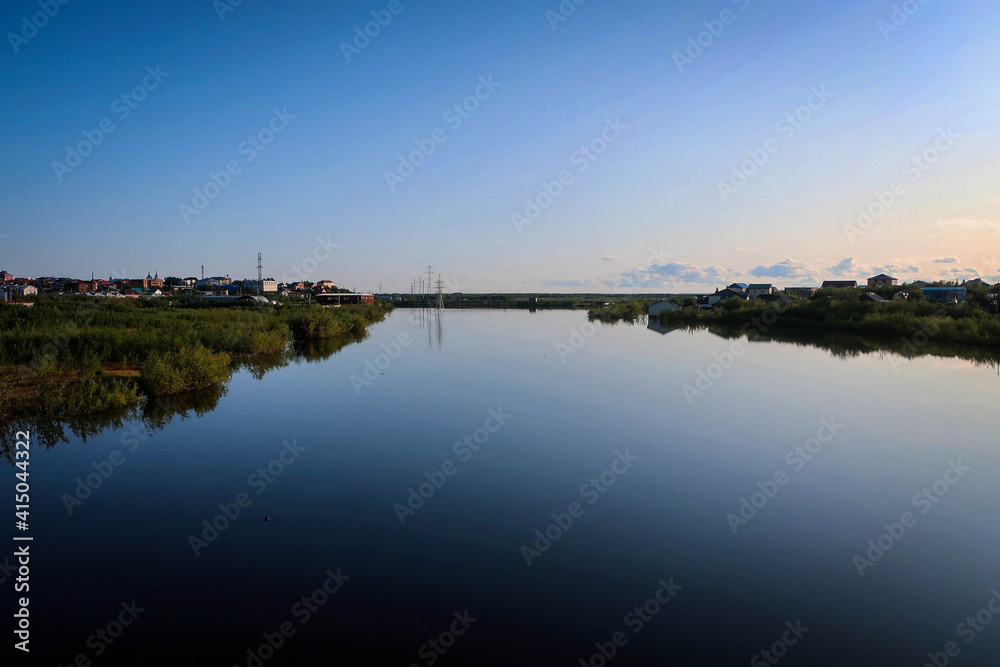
(186, 370)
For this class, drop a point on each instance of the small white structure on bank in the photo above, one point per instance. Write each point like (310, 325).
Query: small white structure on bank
(660, 306)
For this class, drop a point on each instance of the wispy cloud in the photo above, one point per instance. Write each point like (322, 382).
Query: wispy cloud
(610, 258)
(969, 223)
(896, 269)
(946, 260)
(845, 267)
(787, 268)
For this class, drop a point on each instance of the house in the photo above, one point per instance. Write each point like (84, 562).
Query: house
(6, 277)
(260, 286)
(900, 296)
(757, 290)
(977, 282)
(660, 306)
(325, 285)
(741, 287)
(945, 294)
(840, 284)
(804, 292)
(872, 296)
(881, 280)
(727, 293)
(18, 292)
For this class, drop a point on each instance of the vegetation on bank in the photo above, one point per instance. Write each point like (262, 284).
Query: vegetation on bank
(75, 355)
(840, 310)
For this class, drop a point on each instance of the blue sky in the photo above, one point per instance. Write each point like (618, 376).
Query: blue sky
(657, 204)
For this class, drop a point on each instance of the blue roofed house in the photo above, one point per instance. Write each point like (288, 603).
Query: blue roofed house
(945, 295)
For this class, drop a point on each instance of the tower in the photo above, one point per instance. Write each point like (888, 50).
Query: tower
(440, 299)
(260, 269)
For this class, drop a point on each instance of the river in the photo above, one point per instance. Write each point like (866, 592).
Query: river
(526, 488)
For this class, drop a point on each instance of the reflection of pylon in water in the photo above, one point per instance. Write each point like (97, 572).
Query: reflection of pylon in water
(440, 300)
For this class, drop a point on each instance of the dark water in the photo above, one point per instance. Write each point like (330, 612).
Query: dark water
(594, 429)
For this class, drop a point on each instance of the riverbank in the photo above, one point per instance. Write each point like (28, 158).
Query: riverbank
(914, 320)
(76, 355)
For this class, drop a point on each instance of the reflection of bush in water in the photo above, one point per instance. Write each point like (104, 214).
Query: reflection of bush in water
(56, 426)
(847, 345)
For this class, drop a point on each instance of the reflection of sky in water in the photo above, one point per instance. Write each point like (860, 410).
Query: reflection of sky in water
(665, 517)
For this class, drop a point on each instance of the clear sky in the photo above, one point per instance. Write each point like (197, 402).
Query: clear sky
(318, 128)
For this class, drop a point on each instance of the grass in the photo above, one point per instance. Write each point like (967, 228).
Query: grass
(74, 355)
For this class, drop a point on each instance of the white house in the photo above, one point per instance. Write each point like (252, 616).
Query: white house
(660, 306)
(757, 290)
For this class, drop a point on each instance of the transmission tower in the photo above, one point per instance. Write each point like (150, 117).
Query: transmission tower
(430, 280)
(260, 269)
(440, 300)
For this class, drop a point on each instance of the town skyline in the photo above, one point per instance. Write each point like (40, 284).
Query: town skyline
(686, 158)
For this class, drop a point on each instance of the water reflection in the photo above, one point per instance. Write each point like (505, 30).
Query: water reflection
(54, 424)
(846, 345)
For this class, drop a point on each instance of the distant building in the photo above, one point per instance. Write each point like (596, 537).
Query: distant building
(840, 284)
(325, 285)
(977, 282)
(6, 277)
(804, 292)
(945, 295)
(18, 292)
(741, 287)
(344, 299)
(727, 293)
(757, 290)
(872, 296)
(260, 286)
(213, 282)
(661, 306)
(881, 280)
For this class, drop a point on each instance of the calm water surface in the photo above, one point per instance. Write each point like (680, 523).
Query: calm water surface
(573, 409)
